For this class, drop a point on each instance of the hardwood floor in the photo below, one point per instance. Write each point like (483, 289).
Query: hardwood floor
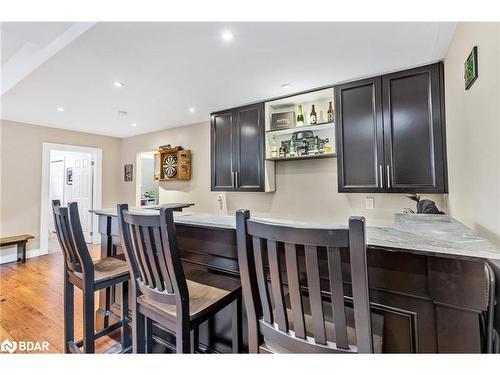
(31, 302)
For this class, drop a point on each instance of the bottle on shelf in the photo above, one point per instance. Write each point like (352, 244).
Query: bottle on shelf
(282, 152)
(300, 116)
(330, 113)
(291, 151)
(313, 119)
(274, 149)
(321, 118)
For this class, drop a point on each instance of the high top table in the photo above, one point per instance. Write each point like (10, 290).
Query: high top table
(429, 275)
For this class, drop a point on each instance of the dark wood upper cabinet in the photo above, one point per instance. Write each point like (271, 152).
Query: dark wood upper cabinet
(391, 133)
(360, 142)
(237, 144)
(413, 130)
(222, 151)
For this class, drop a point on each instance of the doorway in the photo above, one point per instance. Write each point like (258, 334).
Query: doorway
(147, 185)
(70, 174)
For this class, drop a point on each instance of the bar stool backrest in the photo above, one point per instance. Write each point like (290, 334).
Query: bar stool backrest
(70, 236)
(266, 249)
(153, 257)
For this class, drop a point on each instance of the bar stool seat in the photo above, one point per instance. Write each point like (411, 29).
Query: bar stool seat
(202, 299)
(108, 268)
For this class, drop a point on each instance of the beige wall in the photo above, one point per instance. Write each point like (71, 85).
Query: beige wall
(197, 190)
(305, 190)
(473, 129)
(21, 173)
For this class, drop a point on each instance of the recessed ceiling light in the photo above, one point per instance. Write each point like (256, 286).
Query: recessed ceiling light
(286, 85)
(227, 36)
(134, 124)
(191, 109)
(118, 84)
(60, 109)
(122, 113)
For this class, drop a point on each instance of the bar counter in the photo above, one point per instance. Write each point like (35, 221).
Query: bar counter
(430, 276)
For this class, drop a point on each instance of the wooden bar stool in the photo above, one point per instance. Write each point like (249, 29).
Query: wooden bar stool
(309, 313)
(90, 276)
(160, 290)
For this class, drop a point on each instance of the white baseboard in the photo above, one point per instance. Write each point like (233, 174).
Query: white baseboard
(8, 255)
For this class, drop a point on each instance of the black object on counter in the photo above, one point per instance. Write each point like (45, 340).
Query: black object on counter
(425, 206)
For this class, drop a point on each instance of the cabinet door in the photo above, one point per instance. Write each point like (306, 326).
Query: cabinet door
(249, 148)
(359, 136)
(222, 151)
(413, 130)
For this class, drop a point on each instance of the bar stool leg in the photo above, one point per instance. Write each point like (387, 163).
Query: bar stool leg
(236, 326)
(138, 334)
(195, 340)
(69, 312)
(125, 337)
(88, 319)
(182, 337)
(149, 335)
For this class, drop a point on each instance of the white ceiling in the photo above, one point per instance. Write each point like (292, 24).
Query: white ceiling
(169, 67)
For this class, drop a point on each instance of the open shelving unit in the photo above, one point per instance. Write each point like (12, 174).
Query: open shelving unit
(324, 130)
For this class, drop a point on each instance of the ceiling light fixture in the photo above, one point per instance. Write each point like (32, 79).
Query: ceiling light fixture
(227, 36)
(191, 110)
(122, 113)
(286, 85)
(60, 109)
(118, 84)
(134, 124)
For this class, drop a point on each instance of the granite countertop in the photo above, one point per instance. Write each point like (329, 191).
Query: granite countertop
(438, 235)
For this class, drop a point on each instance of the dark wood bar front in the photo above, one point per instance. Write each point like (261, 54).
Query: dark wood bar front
(432, 303)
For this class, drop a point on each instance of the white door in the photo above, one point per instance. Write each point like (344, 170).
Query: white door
(82, 192)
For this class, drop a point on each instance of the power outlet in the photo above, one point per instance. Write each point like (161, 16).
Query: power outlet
(370, 203)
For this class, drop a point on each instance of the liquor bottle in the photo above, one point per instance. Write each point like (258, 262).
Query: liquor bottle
(291, 151)
(321, 118)
(313, 118)
(300, 116)
(330, 113)
(274, 149)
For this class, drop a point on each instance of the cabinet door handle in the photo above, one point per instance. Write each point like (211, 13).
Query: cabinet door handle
(388, 177)
(235, 180)
(381, 176)
(232, 180)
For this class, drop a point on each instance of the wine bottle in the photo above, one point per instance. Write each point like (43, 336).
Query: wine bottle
(330, 113)
(300, 116)
(274, 149)
(313, 118)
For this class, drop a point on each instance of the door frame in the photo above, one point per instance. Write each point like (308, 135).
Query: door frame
(45, 188)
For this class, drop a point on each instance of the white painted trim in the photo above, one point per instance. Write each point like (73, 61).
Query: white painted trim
(30, 57)
(44, 199)
(11, 255)
(138, 179)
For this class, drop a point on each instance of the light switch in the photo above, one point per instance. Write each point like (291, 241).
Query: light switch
(370, 203)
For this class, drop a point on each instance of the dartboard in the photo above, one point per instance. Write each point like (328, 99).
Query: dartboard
(170, 165)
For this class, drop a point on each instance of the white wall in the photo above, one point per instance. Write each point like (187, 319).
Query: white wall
(473, 129)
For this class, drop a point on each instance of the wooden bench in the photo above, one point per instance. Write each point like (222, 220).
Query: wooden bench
(20, 241)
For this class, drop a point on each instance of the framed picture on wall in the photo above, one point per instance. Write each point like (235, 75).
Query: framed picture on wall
(128, 172)
(471, 73)
(69, 176)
